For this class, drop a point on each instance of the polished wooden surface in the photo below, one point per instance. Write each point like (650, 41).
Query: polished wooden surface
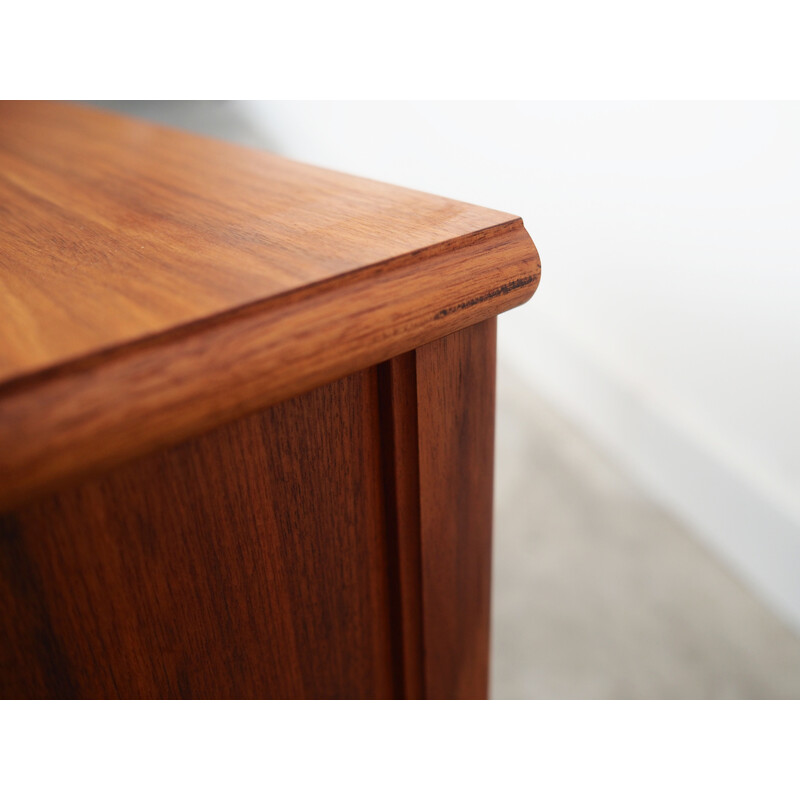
(250, 562)
(455, 397)
(246, 420)
(401, 450)
(438, 441)
(116, 229)
(156, 284)
(335, 545)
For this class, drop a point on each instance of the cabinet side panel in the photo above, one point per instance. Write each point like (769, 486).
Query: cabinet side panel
(456, 394)
(248, 562)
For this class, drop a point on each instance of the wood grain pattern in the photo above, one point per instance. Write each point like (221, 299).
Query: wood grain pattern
(207, 486)
(249, 562)
(335, 545)
(455, 395)
(397, 380)
(156, 284)
(114, 229)
(438, 434)
(81, 420)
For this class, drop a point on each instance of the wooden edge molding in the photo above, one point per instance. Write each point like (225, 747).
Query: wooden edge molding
(94, 413)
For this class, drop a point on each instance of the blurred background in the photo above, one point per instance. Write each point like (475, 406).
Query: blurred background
(647, 521)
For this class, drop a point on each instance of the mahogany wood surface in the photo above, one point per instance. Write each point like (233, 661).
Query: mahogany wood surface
(115, 229)
(250, 562)
(337, 545)
(155, 284)
(438, 412)
(401, 450)
(246, 420)
(455, 396)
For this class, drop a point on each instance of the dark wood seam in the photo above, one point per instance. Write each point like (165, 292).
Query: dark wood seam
(400, 453)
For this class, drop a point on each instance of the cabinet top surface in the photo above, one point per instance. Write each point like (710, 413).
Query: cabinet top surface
(113, 230)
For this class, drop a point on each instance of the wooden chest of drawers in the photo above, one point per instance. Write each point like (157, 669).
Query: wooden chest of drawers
(246, 420)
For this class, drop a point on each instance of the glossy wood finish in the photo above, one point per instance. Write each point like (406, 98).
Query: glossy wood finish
(249, 562)
(455, 396)
(77, 421)
(246, 420)
(438, 416)
(116, 229)
(335, 545)
(156, 284)
(401, 449)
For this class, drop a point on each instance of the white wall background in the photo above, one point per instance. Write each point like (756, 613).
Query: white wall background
(667, 323)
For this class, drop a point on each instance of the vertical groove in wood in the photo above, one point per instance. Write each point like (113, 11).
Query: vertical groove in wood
(398, 405)
(455, 379)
